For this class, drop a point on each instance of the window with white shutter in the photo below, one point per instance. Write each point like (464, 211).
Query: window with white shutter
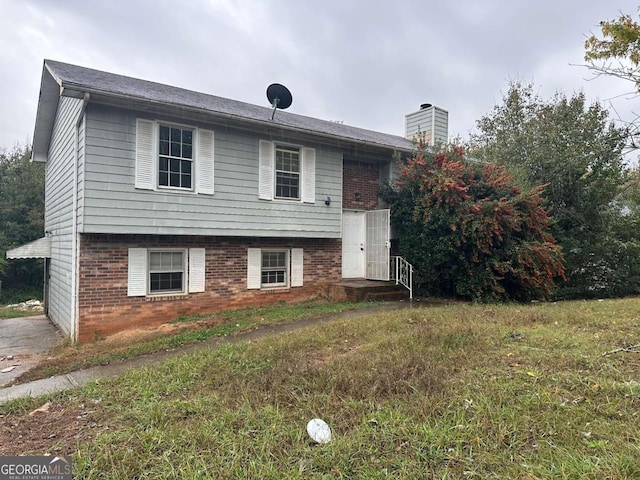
(166, 271)
(286, 172)
(174, 157)
(274, 268)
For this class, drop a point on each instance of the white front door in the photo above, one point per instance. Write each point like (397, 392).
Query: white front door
(378, 245)
(353, 238)
(365, 244)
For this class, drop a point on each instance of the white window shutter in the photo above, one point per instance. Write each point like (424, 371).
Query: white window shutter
(145, 154)
(197, 268)
(297, 270)
(254, 268)
(265, 171)
(309, 175)
(204, 162)
(137, 279)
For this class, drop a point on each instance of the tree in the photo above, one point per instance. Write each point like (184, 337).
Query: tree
(21, 215)
(617, 54)
(621, 42)
(575, 150)
(469, 230)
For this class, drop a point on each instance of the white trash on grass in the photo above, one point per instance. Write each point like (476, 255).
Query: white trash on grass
(319, 431)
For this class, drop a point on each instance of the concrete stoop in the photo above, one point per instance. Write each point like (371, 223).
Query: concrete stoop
(359, 290)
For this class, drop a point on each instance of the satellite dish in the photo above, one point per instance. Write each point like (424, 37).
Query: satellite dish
(279, 97)
(319, 431)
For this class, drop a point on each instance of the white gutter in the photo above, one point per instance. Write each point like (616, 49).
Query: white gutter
(74, 228)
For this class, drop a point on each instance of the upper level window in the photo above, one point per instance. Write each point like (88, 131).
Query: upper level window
(174, 159)
(175, 165)
(287, 172)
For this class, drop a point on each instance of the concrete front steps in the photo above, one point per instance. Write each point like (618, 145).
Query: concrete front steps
(361, 290)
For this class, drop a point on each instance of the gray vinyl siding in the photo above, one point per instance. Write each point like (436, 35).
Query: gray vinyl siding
(113, 205)
(441, 125)
(428, 120)
(59, 212)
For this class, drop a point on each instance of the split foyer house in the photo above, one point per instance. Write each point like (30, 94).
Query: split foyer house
(163, 202)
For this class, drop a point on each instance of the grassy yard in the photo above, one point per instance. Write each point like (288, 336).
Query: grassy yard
(181, 331)
(448, 391)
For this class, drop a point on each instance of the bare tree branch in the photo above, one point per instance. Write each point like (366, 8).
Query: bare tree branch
(629, 349)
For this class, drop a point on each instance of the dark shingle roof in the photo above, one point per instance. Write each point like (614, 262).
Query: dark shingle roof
(86, 79)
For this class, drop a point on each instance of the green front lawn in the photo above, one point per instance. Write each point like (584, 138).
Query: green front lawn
(449, 391)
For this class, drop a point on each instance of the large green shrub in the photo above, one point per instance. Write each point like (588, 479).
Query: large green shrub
(469, 230)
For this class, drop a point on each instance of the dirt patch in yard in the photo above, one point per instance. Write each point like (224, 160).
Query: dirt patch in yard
(102, 352)
(56, 430)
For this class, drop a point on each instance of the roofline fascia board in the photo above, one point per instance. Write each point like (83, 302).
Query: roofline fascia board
(45, 117)
(77, 91)
(54, 76)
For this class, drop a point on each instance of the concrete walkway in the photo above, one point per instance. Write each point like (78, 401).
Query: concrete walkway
(82, 377)
(24, 342)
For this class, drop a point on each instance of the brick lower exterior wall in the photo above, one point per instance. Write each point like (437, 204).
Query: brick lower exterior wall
(105, 308)
(361, 185)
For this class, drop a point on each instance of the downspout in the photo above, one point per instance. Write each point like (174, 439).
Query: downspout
(74, 227)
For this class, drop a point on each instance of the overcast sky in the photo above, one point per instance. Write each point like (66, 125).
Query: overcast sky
(364, 62)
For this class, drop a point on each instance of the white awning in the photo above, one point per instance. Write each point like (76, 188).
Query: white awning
(40, 248)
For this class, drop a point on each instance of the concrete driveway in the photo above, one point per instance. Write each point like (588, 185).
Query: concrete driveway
(28, 340)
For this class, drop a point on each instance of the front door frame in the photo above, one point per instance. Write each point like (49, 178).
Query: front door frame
(365, 253)
(353, 244)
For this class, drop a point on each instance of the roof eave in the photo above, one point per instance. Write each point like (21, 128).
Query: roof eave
(50, 91)
(76, 90)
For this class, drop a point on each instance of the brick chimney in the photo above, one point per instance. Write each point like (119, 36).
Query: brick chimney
(431, 121)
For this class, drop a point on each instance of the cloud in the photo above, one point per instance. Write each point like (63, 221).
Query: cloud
(367, 63)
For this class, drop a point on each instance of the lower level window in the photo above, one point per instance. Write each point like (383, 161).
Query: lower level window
(166, 271)
(274, 268)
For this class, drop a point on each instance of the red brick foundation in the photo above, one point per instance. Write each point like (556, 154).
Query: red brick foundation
(105, 308)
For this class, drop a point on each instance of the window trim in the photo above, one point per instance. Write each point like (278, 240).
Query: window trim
(287, 268)
(185, 274)
(193, 159)
(291, 148)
